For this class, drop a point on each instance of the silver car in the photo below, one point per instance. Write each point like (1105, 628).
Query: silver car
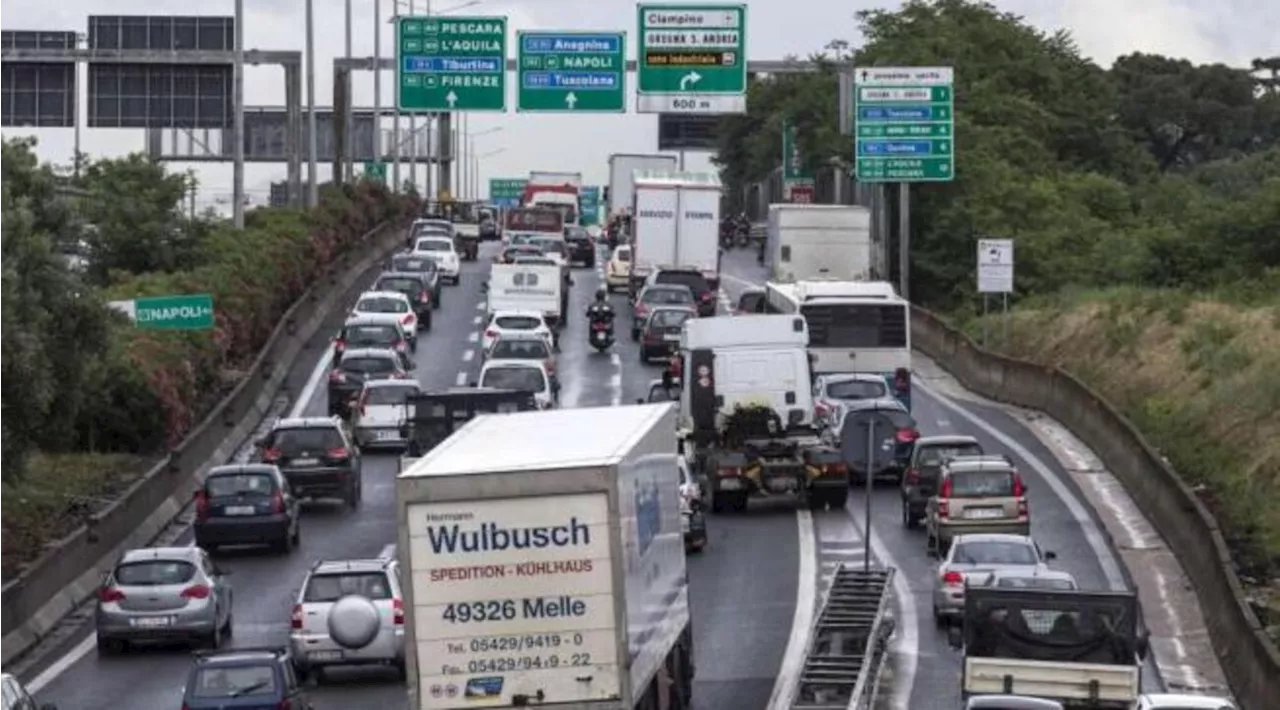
(382, 412)
(159, 594)
(973, 559)
(365, 596)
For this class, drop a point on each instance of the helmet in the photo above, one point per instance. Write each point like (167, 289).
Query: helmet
(601, 295)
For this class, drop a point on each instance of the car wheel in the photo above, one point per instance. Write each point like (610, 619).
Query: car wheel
(908, 521)
(228, 625)
(402, 672)
(635, 335)
(644, 357)
(353, 497)
(214, 640)
(297, 534)
(426, 324)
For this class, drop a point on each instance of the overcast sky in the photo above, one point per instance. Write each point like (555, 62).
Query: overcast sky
(1230, 31)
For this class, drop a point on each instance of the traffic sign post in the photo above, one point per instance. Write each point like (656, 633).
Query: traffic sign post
(797, 183)
(691, 59)
(571, 71)
(995, 275)
(451, 63)
(904, 124)
(185, 312)
(506, 192)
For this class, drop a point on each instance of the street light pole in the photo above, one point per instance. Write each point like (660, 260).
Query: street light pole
(237, 130)
(312, 178)
(377, 85)
(346, 166)
(413, 122)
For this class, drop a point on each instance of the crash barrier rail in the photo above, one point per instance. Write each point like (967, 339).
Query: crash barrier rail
(69, 570)
(846, 651)
(1249, 659)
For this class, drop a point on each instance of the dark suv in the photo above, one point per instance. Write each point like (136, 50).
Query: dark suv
(703, 290)
(418, 264)
(581, 247)
(316, 456)
(244, 678)
(356, 366)
(246, 504)
(416, 287)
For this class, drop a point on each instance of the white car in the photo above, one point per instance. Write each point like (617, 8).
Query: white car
(506, 322)
(524, 375)
(441, 251)
(424, 226)
(388, 303)
(365, 597)
(1180, 701)
(382, 411)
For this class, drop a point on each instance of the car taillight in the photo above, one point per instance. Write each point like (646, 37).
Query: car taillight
(202, 505)
(912, 475)
(902, 380)
(906, 436)
(424, 297)
(337, 453)
(944, 492)
(339, 345)
(270, 455)
(110, 594)
(277, 502)
(397, 610)
(836, 469)
(295, 620)
(728, 472)
(285, 704)
(196, 591)
(399, 346)
(821, 410)
(953, 579)
(1019, 490)
(642, 309)
(408, 318)
(337, 376)
(491, 333)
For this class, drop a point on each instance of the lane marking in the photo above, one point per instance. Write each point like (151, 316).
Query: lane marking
(309, 389)
(473, 337)
(461, 380)
(480, 306)
(477, 320)
(784, 687)
(615, 380)
(466, 356)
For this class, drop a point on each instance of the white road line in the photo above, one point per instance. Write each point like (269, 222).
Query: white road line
(461, 380)
(615, 380)
(784, 688)
(480, 306)
(473, 337)
(61, 665)
(309, 389)
(1088, 526)
(466, 356)
(477, 320)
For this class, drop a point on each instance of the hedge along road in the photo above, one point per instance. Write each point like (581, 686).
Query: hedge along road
(744, 586)
(923, 671)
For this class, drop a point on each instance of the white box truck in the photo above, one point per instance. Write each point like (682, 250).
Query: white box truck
(819, 242)
(545, 564)
(548, 177)
(527, 287)
(622, 168)
(676, 223)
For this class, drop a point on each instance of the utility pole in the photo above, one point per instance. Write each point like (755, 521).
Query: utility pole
(237, 130)
(313, 190)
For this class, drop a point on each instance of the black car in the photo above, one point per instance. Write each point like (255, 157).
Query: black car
(316, 456)
(368, 331)
(489, 231)
(902, 438)
(359, 365)
(244, 679)
(415, 287)
(246, 504)
(418, 264)
(660, 334)
(581, 248)
(703, 290)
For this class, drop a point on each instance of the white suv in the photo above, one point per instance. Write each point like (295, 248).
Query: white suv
(359, 601)
(443, 252)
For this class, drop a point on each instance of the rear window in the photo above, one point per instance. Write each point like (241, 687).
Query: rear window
(372, 334)
(389, 395)
(404, 285)
(293, 441)
(670, 319)
(667, 295)
(332, 587)
(517, 322)
(695, 282)
(623, 255)
(989, 552)
(935, 455)
(382, 305)
(577, 233)
(527, 379)
(982, 484)
(235, 681)
(856, 389)
(263, 484)
(154, 573)
(367, 364)
(520, 349)
(434, 245)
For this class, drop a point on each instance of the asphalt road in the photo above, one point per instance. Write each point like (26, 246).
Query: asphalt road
(743, 585)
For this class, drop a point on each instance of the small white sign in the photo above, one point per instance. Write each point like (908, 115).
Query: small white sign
(904, 76)
(995, 266)
(129, 308)
(691, 103)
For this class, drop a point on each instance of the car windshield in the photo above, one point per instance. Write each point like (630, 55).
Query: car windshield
(551, 246)
(527, 379)
(934, 455)
(255, 484)
(367, 365)
(669, 318)
(982, 484)
(522, 349)
(622, 255)
(332, 587)
(312, 440)
(235, 681)
(666, 295)
(517, 322)
(401, 284)
(994, 552)
(434, 245)
(695, 282)
(154, 573)
(413, 263)
(1035, 583)
(857, 389)
(389, 395)
(371, 335)
(382, 304)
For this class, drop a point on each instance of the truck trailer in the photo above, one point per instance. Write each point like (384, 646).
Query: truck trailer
(545, 564)
(676, 223)
(622, 169)
(818, 241)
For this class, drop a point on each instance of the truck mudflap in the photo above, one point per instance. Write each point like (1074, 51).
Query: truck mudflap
(1094, 685)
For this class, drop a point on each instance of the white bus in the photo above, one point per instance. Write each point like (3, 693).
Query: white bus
(854, 326)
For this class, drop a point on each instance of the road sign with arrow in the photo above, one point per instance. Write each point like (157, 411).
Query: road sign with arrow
(571, 71)
(692, 59)
(904, 124)
(451, 63)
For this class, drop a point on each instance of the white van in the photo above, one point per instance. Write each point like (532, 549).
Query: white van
(526, 287)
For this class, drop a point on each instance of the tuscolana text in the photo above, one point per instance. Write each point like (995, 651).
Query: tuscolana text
(492, 537)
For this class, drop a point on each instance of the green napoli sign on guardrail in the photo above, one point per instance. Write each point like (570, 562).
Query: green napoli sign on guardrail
(571, 71)
(185, 312)
(451, 63)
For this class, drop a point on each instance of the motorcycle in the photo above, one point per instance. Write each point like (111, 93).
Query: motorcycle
(743, 234)
(726, 236)
(601, 334)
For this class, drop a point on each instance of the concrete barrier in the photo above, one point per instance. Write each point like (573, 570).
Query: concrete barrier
(69, 570)
(1248, 657)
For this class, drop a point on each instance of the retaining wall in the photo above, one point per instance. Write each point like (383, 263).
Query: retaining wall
(1249, 659)
(69, 570)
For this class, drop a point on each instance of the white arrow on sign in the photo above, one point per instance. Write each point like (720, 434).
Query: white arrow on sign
(452, 98)
(692, 77)
(571, 100)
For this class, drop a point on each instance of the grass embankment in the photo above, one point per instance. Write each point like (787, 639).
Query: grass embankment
(1199, 375)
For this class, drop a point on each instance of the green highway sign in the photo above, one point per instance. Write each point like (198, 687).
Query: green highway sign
(375, 171)
(904, 124)
(590, 199)
(506, 192)
(451, 63)
(691, 59)
(188, 312)
(571, 71)
(797, 183)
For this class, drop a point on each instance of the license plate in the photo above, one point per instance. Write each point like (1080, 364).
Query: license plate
(240, 510)
(385, 435)
(671, 338)
(305, 462)
(151, 622)
(730, 484)
(325, 655)
(983, 513)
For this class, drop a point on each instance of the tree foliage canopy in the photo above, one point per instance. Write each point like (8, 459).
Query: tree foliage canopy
(1156, 171)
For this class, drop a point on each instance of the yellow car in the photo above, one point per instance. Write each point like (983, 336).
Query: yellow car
(618, 270)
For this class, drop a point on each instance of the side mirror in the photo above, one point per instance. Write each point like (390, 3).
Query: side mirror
(955, 638)
(1051, 555)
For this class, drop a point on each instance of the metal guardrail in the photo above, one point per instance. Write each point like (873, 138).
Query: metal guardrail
(846, 653)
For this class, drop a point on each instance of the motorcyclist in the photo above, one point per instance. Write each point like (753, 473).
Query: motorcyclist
(600, 309)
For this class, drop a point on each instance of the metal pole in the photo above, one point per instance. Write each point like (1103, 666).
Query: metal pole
(413, 128)
(866, 513)
(1004, 321)
(904, 240)
(237, 131)
(377, 85)
(428, 125)
(464, 152)
(681, 167)
(984, 320)
(347, 170)
(313, 178)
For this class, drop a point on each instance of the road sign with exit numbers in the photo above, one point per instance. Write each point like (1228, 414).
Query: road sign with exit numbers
(904, 124)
